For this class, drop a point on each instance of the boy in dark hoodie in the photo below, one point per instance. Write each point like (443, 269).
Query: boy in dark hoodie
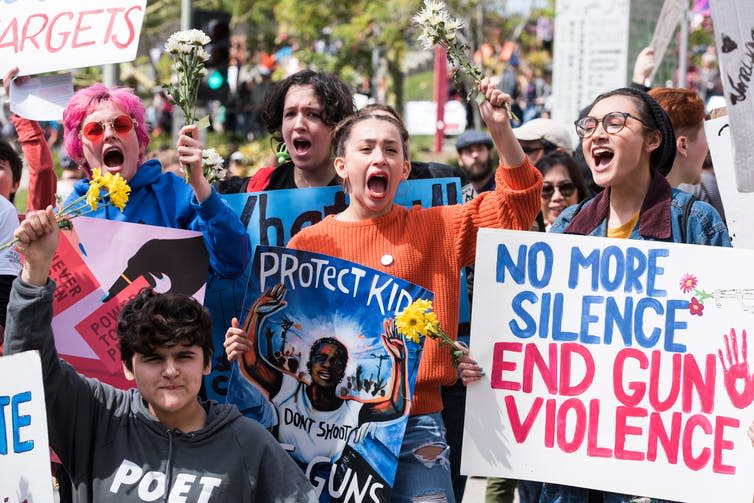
(158, 441)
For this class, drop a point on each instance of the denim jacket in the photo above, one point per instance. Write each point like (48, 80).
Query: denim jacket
(660, 217)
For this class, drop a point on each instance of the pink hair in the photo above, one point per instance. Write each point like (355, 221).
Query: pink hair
(86, 101)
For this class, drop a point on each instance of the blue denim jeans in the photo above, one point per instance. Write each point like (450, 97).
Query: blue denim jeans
(420, 475)
(554, 493)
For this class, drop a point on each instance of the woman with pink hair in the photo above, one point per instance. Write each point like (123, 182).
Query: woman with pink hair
(105, 129)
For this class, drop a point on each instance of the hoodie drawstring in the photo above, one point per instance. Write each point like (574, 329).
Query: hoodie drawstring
(169, 467)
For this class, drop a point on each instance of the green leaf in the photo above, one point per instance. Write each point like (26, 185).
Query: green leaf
(479, 99)
(203, 123)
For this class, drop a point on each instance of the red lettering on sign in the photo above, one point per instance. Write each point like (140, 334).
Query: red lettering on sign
(72, 277)
(99, 328)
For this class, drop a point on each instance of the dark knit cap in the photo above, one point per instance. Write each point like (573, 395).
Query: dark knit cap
(663, 156)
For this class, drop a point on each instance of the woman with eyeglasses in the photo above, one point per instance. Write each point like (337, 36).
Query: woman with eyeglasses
(562, 186)
(105, 129)
(629, 145)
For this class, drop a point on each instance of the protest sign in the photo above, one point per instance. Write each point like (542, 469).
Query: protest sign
(590, 53)
(619, 365)
(734, 37)
(24, 452)
(42, 98)
(98, 267)
(737, 204)
(671, 14)
(46, 36)
(272, 218)
(327, 370)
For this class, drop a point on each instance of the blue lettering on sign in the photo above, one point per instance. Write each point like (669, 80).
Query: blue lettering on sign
(18, 421)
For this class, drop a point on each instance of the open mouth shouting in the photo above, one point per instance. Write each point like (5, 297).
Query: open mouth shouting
(602, 157)
(301, 146)
(377, 185)
(113, 157)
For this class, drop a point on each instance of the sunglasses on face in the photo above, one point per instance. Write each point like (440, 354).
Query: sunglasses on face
(95, 130)
(612, 123)
(566, 189)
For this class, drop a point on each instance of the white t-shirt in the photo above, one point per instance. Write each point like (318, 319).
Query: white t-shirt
(10, 260)
(309, 432)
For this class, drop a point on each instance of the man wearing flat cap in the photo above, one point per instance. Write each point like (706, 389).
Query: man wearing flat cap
(474, 149)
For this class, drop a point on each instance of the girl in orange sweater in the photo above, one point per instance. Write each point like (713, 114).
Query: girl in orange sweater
(427, 246)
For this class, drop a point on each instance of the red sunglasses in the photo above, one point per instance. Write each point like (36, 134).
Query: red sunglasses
(95, 130)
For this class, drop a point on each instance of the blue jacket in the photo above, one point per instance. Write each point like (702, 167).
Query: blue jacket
(660, 218)
(165, 200)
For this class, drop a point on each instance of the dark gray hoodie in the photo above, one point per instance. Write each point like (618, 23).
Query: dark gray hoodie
(115, 450)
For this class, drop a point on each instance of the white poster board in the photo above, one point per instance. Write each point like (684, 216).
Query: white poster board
(590, 53)
(738, 205)
(611, 364)
(24, 453)
(421, 117)
(734, 38)
(671, 14)
(54, 35)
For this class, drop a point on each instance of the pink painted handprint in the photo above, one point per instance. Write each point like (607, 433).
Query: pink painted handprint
(737, 370)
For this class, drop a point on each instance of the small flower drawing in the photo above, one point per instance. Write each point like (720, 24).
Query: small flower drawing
(696, 308)
(688, 283)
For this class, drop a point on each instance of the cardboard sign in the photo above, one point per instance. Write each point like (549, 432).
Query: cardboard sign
(24, 452)
(105, 263)
(613, 364)
(272, 218)
(734, 38)
(326, 372)
(52, 35)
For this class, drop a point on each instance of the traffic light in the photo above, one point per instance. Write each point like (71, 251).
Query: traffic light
(216, 24)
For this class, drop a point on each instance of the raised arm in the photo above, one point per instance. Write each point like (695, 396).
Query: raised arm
(36, 152)
(515, 202)
(74, 404)
(245, 344)
(397, 399)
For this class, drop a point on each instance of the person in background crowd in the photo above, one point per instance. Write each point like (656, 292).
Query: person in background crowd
(474, 149)
(301, 112)
(539, 137)
(70, 174)
(236, 166)
(562, 185)
(686, 111)
(10, 261)
(104, 128)
(31, 137)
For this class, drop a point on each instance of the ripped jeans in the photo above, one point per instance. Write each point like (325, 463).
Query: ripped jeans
(423, 473)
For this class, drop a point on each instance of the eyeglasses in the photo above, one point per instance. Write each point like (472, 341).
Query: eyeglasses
(95, 130)
(612, 123)
(566, 189)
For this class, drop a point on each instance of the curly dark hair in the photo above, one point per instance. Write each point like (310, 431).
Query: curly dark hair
(7, 153)
(333, 94)
(151, 320)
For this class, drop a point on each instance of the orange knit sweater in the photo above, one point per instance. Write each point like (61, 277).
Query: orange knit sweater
(429, 247)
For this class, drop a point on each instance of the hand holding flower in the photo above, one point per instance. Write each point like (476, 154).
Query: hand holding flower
(418, 320)
(106, 190)
(190, 156)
